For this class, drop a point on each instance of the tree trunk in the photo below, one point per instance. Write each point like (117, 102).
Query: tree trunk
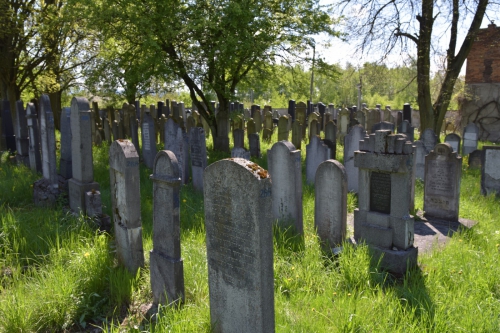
(55, 104)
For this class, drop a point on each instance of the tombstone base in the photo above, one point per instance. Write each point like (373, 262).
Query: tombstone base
(396, 262)
(23, 159)
(167, 279)
(45, 194)
(129, 246)
(77, 192)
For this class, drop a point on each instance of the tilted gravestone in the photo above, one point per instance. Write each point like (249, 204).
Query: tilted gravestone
(471, 136)
(239, 237)
(383, 218)
(254, 144)
(283, 128)
(285, 168)
(65, 163)
(316, 153)
(148, 139)
(454, 141)
(166, 264)
(330, 204)
(490, 170)
(198, 155)
(81, 150)
(34, 134)
(22, 139)
(351, 144)
(443, 171)
(126, 205)
(331, 138)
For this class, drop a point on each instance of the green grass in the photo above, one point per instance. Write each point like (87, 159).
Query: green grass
(59, 274)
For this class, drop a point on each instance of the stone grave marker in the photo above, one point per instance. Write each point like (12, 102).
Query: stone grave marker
(443, 171)
(239, 138)
(126, 206)
(471, 136)
(321, 120)
(115, 130)
(316, 153)
(128, 115)
(383, 125)
(34, 141)
(251, 129)
(475, 159)
(373, 118)
(65, 163)
(22, 138)
(176, 141)
(360, 116)
(420, 154)
(134, 128)
(148, 139)
(454, 141)
(166, 264)
(429, 139)
(291, 109)
(268, 126)
(301, 116)
(254, 144)
(408, 130)
(285, 168)
(198, 155)
(283, 128)
(343, 124)
(257, 118)
(47, 134)
(351, 144)
(330, 204)
(407, 112)
(239, 152)
(399, 118)
(313, 128)
(490, 170)
(297, 134)
(239, 237)
(81, 155)
(331, 138)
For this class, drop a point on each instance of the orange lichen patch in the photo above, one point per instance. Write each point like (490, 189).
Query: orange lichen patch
(257, 169)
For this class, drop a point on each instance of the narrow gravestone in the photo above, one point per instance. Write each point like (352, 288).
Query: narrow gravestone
(471, 136)
(198, 155)
(419, 159)
(343, 124)
(22, 139)
(360, 116)
(351, 144)
(454, 141)
(257, 118)
(490, 170)
(239, 138)
(407, 112)
(301, 116)
(373, 118)
(81, 148)
(34, 134)
(166, 265)
(65, 163)
(283, 128)
(134, 128)
(148, 139)
(331, 138)
(291, 109)
(126, 205)
(239, 237)
(429, 139)
(406, 129)
(330, 205)
(297, 134)
(178, 144)
(239, 152)
(313, 128)
(47, 133)
(254, 144)
(475, 159)
(285, 168)
(316, 153)
(443, 171)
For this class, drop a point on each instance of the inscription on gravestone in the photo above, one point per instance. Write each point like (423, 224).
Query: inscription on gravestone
(147, 141)
(196, 159)
(441, 179)
(380, 192)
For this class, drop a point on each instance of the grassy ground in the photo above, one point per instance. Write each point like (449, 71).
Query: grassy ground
(58, 273)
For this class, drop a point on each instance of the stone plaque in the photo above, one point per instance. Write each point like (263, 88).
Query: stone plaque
(440, 178)
(380, 192)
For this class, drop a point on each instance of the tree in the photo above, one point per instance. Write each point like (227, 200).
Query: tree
(211, 45)
(421, 27)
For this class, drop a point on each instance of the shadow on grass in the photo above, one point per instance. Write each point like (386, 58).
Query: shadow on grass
(287, 240)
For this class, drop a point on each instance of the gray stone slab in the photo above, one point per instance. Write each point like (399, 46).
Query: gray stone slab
(351, 144)
(65, 163)
(254, 143)
(239, 138)
(475, 159)
(471, 137)
(48, 141)
(148, 133)
(198, 156)
(22, 135)
(34, 134)
(429, 139)
(316, 153)
(283, 131)
(490, 170)
(454, 140)
(240, 153)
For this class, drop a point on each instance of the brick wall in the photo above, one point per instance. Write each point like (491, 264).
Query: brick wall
(483, 62)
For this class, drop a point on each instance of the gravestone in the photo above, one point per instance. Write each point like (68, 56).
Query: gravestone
(81, 155)
(285, 168)
(268, 126)
(443, 171)
(429, 139)
(198, 155)
(251, 129)
(490, 170)
(126, 204)
(148, 139)
(65, 163)
(343, 124)
(321, 120)
(383, 125)
(34, 141)
(360, 116)
(373, 117)
(239, 238)
(134, 128)
(351, 144)
(22, 138)
(301, 116)
(420, 154)
(283, 128)
(383, 218)
(408, 130)
(475, 159)
(330, 204)
(471, 136)
(291, 109)
(128, 115)
(48, 141)
(8, 134)
(297, 134)
(407, 112)
(177, 141)
(257, 118)
(313, 128)
(331, 138)
(399, 118)
(316, 153)
(115, 130)
(166, 264)
(239, 138)
(454, 141)
(107, 130)
(239, 152)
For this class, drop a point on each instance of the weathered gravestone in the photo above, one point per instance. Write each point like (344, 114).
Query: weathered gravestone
(254, 144)
(34, 134)
(373, 117)
(285, 168)
(148, 139)
(313, 128)
(408, 130)
(239, 138)
(443, 171)
(351, 144)
(490, 170)
(65, 163)
(297, 134)
(239, 237)
(126, 203)
(177, 142)
(291, 109)
(475, 159)
(283, 128)
(22, 139)
(134, 127)
(383, 125)
(268, 126)
(330, 204)
(81, 149)
(471, 136)
(331, 138)
(251, 129)
(238, 152)
(166, 265)
(383, 218)
(360, 116)
(454, 141)
(301, 116)
(343, 124)
(257, 118)
(198, 155)
(429, 139)
(316, 153)
(419, 160)
(8, 134)
(407, 112)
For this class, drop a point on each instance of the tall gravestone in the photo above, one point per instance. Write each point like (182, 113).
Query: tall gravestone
(406, 129)
(291, 109)
(177, 142)
(373, 117)
(257, 118)
(239, 237)
(126, 205)
(297, 134)
(22, 139)
(429, 139)
(351, 144)
(148, 139)
(316, 153)
(330, 204)
(8, 134)
(343, 124)
(81, 148)
(166, 265)
(360, 116)
(301, 116)
(419, 162)
(48, 141)
(443, 171)
(471, 136)
(65, 163)
(283, 128)
(134, 126)
(34, 141)
(239, 138)
(285, 168)
(454, 141)
(490, 170)
(407, 112)
(331, 138)
(254, 144)
(198, 155)
(383, 218)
